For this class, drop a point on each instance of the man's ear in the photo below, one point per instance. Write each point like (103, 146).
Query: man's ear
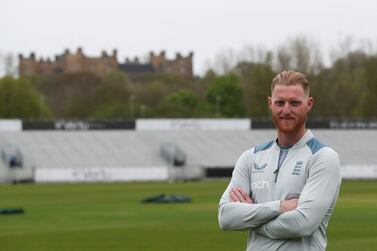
(310, 103)
(269, 100)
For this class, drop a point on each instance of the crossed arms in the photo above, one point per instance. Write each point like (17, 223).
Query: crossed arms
(287, 218)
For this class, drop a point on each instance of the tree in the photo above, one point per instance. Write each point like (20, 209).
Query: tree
(225, 96)
(18, 99)
(70, 95)
(9, 64)
(348, 88)
(113, 101)
(300, 54)
(368, 102)
(256, 82)
(225, 61)
(183, 103)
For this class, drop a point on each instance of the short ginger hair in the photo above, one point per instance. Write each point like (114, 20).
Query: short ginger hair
(291, 78)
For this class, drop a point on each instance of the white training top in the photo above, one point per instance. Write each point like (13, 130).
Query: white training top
(310, 171)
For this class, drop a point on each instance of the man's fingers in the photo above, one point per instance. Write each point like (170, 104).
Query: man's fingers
(288, 205)
(246, 196)
(234, 197)
(237, 194)
(295, 202)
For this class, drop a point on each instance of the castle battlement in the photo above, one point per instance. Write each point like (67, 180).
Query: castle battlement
(179, 65)
(69, 62)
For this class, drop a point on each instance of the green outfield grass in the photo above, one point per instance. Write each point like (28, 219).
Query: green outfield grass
(110, 217)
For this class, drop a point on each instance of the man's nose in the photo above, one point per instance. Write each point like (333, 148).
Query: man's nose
(286, 108)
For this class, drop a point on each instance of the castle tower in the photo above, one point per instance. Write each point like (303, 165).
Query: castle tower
(158, 61)
(78, 62)
(31, 66)
(180, 65)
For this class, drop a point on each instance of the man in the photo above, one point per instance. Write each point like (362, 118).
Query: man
(284, 191)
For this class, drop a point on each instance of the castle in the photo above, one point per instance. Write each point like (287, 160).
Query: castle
(78, 62)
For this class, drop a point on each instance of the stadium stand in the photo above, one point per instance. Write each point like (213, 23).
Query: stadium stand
(125, 155)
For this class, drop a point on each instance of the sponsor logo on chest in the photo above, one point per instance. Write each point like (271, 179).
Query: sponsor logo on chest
(261, 184)
(259, 168)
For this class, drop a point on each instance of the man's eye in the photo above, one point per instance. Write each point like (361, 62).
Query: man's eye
(279, 103)
(295, 103)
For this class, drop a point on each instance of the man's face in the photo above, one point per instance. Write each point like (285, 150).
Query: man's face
(289, 107)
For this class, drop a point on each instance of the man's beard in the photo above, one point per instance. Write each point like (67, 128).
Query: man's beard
(293, 126)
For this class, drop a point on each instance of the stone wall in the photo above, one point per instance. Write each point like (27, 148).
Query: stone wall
(78, 62)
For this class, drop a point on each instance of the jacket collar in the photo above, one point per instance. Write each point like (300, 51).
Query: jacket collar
(302, 142)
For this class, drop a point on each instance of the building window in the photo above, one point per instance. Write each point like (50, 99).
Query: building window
(109, 67)
(92, 67)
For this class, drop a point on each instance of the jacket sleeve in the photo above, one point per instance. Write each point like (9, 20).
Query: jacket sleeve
(318, 196)
(239, 216)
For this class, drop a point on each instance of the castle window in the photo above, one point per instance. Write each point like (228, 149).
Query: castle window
(92, 67)
(108, 67)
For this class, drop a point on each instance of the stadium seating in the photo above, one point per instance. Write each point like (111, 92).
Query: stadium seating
(204, 150)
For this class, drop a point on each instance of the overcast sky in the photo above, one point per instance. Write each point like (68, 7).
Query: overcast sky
(205, 27)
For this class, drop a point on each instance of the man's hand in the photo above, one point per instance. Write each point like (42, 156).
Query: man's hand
(239, 195)
(288, 205)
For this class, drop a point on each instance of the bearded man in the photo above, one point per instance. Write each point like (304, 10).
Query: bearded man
(285, 190)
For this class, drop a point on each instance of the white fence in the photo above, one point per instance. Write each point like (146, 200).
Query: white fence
(193, 124)
(100, 174)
